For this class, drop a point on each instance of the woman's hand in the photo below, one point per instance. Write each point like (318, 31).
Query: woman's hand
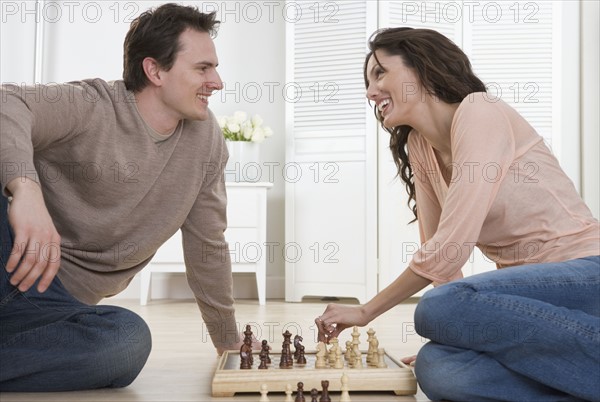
(337, 318)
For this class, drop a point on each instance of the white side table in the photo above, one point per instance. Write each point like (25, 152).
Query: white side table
(246, 234)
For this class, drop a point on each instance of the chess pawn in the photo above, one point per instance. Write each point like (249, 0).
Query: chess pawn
(325, 392)
(348, 354)
(263, 362)
(321, 361)
(373, 347)
(314, 394)
(300, 393)
(334, 347)
(339, 363)
(265, 351)
(263, 393)
(345, 396)
(381, 353)
(374, 360)
(357, 357)
(288, 393)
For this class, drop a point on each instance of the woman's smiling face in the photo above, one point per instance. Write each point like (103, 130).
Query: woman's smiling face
(394, 87)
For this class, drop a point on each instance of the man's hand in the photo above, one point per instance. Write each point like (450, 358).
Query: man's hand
(36, 248)
(256, 345)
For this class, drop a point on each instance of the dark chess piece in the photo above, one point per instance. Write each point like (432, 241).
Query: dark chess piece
(325, 392)
(300, 393)
(264, 351)
(263, 362)
(246, 356)
(248, 334)
(297, 340)
(301, 359)
(286, 354)
(314, 394)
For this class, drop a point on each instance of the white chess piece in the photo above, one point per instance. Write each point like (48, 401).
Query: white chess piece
(339, 363)
(288, 393)
(345, 396)
(357, 356)
(370, 332)
(381, 363)
(321, 361)
(373, 347)
(263, 393)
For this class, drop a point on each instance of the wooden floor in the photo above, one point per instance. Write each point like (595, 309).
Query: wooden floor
(183, 360)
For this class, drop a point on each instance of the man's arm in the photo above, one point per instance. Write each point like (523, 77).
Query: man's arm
(206, 252)
(32, 120)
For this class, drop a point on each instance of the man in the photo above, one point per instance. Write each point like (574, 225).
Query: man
(100, 174)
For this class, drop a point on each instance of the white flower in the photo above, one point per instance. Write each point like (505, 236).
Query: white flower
(258, 135)
(247, 130)
(268, 132)
(257, 121)
(222, 120)
(233, 127)
(240, 117)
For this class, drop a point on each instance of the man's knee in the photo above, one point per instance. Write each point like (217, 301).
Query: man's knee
(127, 348)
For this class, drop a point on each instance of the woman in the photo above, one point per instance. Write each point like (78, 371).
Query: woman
(477, 174)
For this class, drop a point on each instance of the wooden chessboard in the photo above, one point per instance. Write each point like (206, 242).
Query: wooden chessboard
(229, 378)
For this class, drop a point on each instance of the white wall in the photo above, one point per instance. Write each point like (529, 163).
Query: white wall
(84, 39)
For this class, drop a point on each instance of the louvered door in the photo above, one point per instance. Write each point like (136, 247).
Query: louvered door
(331, 189)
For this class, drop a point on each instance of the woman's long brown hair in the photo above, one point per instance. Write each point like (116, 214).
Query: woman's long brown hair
(443, 70)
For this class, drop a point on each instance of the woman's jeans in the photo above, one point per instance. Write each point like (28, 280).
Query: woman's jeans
(529, 333)
(52, 342)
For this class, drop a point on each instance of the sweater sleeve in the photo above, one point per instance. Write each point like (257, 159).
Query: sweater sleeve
(483, 147)
(35, 117)
(206, 253)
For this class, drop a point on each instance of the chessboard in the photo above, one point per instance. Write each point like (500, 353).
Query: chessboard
(230, 379)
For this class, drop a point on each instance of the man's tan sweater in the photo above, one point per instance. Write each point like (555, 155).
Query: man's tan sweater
(116, 194)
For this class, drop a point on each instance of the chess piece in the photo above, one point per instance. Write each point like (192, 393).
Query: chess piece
(370, 334)
(264, 351)
(357, 356)
(334, 346)
(321, 361)
(288, 393)
(300, 393)
(348, 355)
(286, 361)
(314, 394)
(339, 363)
(345, 396)
(374, 360)
(381, 353)
(301, 358)
(248, 334)
(263, 393)
(246, 355)
(325, 392)
(297, 340)
(373, 347)
(355, 335)
(263, 362)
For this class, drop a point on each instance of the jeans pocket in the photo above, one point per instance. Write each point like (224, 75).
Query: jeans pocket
(6, 299)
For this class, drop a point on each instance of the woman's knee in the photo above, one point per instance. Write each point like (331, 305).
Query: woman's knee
(430, 373)
(440, 309)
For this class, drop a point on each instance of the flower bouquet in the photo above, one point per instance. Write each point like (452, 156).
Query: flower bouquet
(241, 128)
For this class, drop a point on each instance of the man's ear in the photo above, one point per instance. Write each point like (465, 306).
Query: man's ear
(152, 71)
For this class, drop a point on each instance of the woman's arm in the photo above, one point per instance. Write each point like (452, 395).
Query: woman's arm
(338, 317)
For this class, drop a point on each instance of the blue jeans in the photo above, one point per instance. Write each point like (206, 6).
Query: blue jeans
(529, 333)
(52, 342)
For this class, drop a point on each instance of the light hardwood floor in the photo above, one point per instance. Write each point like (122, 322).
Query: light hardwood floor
(183, 360)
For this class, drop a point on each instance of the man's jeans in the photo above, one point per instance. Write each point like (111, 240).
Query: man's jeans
(52, 342)
(529, 333)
